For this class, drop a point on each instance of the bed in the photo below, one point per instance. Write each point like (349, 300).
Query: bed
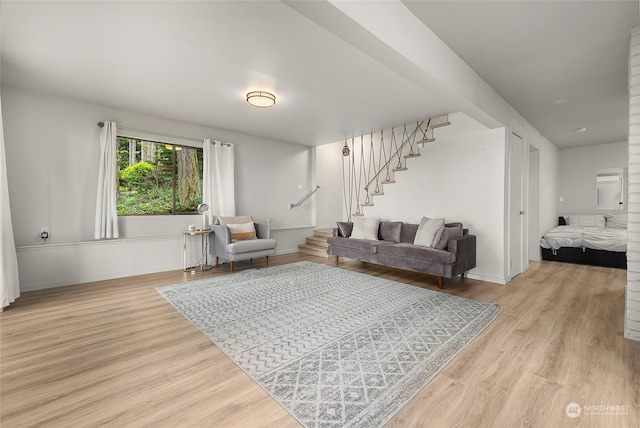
(599, 240)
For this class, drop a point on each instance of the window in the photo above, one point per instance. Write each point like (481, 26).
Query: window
(158, 178)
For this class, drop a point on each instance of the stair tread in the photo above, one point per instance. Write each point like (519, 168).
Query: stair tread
(312, 250)
(317, 241)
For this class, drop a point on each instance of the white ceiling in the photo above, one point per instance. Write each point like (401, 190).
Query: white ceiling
(195, 61)
(536, 52)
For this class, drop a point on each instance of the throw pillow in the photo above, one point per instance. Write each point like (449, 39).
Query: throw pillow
(448, 233)
(234, 220)
(345, 228)
(365, 228)
(427, 231)
(390, 231)
(240, 232)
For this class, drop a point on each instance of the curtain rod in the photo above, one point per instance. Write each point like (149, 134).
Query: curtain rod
(101, 125)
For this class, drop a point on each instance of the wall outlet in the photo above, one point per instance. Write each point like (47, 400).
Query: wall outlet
(44, 232)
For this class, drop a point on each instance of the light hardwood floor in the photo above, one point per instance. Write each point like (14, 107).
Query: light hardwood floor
(115, 353)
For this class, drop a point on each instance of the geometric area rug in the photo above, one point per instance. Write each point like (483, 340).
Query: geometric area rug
(335, 348)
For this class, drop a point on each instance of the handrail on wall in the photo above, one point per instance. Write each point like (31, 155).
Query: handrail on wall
(300, 199)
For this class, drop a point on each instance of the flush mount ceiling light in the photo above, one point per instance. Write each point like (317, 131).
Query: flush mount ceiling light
(579, 130)
(261, 99)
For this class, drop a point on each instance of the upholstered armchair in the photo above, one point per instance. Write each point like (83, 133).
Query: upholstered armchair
(244, 240)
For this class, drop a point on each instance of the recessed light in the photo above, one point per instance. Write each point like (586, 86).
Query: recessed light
(579, 130)
(561, 101)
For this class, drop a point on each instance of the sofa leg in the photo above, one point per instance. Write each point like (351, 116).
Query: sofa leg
(462, 276)
(217, 261)
(267, 257)
(440, 282)
(231, 264)
(337, 259)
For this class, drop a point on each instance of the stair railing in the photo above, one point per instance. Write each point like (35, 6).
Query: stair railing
(300, 199)
(392, 155)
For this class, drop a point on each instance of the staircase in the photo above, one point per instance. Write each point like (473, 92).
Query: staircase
(396, 161)
(317, 244)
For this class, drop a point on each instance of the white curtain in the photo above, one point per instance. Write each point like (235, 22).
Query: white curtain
(106, 217)
(218, 186)
(9, 282)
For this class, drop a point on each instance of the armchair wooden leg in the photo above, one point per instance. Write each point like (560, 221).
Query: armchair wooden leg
(231, 264)
(440, 281)
(217, 261)
(337, 259)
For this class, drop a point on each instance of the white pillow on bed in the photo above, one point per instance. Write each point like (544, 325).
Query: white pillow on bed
(593, 220)
(617, 221)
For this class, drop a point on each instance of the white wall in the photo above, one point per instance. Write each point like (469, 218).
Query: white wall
(52, 154)
(329, 203)
(577, 175)
(533, 208)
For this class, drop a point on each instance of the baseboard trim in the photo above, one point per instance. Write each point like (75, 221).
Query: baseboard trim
(486, 278)
(94, 278)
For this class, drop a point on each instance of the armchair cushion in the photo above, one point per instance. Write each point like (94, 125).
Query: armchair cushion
(251, 245)
(240, 232)
(234, 220)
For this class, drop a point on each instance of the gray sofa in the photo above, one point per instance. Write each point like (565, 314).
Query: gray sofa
(395, 248)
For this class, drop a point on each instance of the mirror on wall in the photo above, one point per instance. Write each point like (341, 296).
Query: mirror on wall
(610, 189)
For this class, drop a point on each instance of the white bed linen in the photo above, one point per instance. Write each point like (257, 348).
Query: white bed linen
(604, 238)
(597, 238)
(562, 236)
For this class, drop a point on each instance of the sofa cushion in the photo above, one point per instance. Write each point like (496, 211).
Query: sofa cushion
(390, 231)
(365, 245)
(251, 245)
(448, 233)
(365, 228)
(427, 231)
(406, 250)
(345, 227)
(408, 233)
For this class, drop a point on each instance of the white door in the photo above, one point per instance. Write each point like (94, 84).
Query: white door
(517, 252)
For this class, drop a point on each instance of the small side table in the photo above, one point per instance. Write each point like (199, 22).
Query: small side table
(204, 236)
